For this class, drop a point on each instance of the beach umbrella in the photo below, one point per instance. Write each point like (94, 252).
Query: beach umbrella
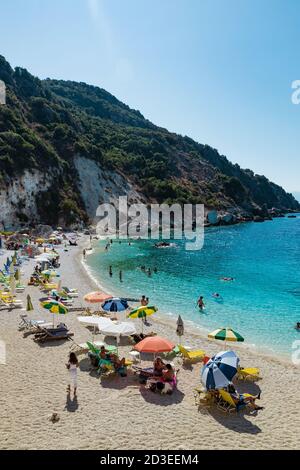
(115, 305)
(154, 344)
(12, 284)
(29, 306)
(118, 329)
(219, 371)
(180, 327)
(39, 240)
(226, 334)
(95, 322)
(96, 297)
(54, 307)
(142, 312)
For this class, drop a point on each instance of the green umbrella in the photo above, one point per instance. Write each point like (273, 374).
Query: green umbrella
(226, 334)
(29, 307)
(55, 307)
(142, 312)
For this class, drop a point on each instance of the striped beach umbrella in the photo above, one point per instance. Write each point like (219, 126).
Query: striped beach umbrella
(115, 305)
(142, 312)
(219, 371)
(29, 306)
(225, 334)
(54, 307)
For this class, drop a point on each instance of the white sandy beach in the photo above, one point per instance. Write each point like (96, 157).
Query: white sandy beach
(118, 413)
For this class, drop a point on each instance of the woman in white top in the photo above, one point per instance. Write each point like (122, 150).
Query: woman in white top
(72, 367)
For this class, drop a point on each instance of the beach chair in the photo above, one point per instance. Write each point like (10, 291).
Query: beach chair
(96, 351)
(48, 287)
(191, 356)
(29, 324)
(70, 292)
(10, 303)
(203, 397)
(226, 402)
(52, 334)
(248, 373)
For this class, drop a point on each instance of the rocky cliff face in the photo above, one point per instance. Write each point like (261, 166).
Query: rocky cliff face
(65, 147)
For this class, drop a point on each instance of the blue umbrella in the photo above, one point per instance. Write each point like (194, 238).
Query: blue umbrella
(115, 305)
(219, 371)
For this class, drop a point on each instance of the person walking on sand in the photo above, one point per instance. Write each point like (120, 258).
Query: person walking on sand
(84, 253)
(200, 303)
(72, 366)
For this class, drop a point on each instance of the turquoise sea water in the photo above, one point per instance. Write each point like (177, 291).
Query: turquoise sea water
(262, 303)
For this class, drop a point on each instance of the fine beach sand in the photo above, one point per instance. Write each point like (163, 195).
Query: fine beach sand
(116, 413)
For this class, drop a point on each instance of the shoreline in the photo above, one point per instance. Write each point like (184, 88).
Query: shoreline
(200, 334)
(33, 386)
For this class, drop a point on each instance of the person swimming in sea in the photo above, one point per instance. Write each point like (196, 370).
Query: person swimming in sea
(200, 303)
(228, 279)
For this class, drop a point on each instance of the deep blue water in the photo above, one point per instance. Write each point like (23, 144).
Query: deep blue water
(262, 303)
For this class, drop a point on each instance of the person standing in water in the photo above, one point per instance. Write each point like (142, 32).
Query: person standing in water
(110, 271)
(200, 303)
(121, 276)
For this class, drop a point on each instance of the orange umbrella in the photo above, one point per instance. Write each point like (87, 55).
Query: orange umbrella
(96, 297)
(154, 344)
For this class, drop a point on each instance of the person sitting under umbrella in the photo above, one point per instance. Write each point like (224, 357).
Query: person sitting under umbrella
(119, 365)
(158, 367)
(241, 399)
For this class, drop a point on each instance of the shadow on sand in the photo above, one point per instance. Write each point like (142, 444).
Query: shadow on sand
(71, 405)
(161, 399)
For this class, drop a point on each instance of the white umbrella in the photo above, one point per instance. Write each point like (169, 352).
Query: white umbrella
(118, 329)
(95, 322)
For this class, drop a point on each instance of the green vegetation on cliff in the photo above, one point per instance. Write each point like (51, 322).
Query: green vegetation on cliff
(47, 122)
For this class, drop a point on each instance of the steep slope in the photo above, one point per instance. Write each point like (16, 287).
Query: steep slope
(83, 146)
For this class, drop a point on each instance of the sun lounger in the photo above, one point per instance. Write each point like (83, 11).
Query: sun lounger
(70, 292)
(29, 324)
(10, 303)
(248, 373)
(54, 334)
(227, 404)
(191, 356)
(204, 397)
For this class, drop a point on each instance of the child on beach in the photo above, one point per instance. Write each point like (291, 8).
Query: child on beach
(72, 366)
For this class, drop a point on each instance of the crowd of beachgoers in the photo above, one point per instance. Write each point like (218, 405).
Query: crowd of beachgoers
(82, 368)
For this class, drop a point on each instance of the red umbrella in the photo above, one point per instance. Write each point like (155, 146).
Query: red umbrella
(154, 344)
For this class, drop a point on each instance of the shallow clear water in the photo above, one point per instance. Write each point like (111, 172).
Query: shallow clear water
(262, 303)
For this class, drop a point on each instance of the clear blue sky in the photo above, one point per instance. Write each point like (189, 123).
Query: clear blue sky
(219, 71)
